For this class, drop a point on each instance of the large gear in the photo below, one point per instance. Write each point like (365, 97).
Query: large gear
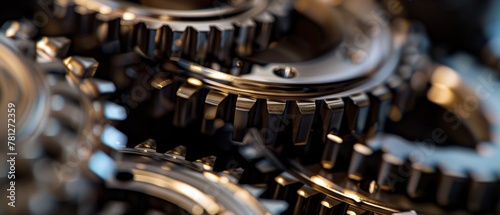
(388, 173)
(362, 80)
(208, 31)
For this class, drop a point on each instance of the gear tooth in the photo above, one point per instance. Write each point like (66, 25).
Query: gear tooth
(275, 120)
(219, 108)
(187, 104)
(166, 42)
(110, 110)
(356, 112)
(302, 121)
(285, 187)
(245, 34)
(86, 20)
(309, 201)
(422, 177)
(147, 38)
(19, 29)
(195, 43)
(50, 48)
(281, 10)
(108, 27)
(331, 150)
(148, 145)
(263, 30)
(274, 206)
(130, 29)
(245, 116)
(81, 67)
(482, 196)
(330, 205)
(380, 102)
(163, 100)
(390, 166)
(178, 152)
(113, 138)
(221, 39)
(161, 82)
(402, 94)
(452, 189)
(331, 114)
(206, 163)
(255, 190)
(234, 173)
(94, 88)
(359, 161)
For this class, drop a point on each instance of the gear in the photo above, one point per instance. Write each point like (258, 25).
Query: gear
(76, 144)
(208, 31)
(65, 102)
(169, 184)
(388, 173)
(271, 98)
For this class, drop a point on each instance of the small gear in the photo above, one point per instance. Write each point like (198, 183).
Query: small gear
(60, 115)
(141, 180)
(203, 31)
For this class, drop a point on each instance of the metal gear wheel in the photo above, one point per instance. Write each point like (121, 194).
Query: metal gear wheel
(389, 174)
(77, 163)
(65, 102)
(203, 31)
(365, 81)
(140, 180)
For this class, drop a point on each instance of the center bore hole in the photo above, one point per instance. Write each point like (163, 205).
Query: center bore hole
(286, 72)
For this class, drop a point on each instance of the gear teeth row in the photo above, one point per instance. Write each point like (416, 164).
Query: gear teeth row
(69, 126)
(148, 149)
(359, 114)
(433, 177)
(200, 41)
(302, 198)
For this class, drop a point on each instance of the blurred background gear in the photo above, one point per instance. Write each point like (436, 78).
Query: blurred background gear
(253, 107)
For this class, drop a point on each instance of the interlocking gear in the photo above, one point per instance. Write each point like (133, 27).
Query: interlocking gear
(208, 31)
(296, 92)
(65, 102)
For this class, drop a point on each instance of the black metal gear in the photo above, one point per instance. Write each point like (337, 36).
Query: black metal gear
(65, 102)
(203, 31)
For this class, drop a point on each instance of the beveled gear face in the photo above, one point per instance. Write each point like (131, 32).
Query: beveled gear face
(167, 183)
